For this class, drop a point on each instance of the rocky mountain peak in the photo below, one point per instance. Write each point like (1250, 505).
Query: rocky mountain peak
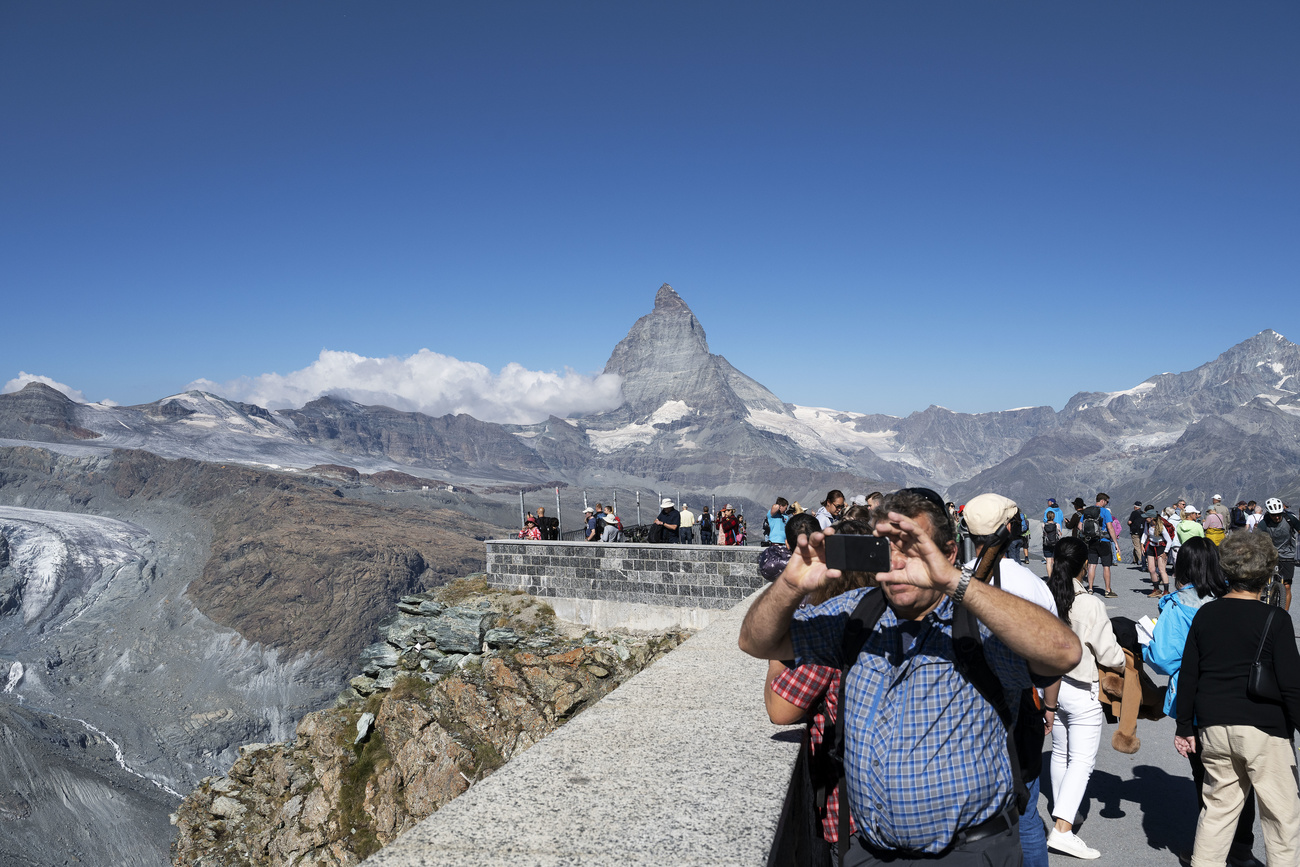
(665, 358)
(667, 299)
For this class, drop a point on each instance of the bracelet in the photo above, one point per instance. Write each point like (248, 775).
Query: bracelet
(960, 593)
(1049, 708)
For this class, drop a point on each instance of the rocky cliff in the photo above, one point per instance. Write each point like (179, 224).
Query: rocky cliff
(463, 680)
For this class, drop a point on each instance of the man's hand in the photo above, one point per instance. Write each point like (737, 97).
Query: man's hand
(1185, 745)
(806, 570)
(765, 633)
(927, 566)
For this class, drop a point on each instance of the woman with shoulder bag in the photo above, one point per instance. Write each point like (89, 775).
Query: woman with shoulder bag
(1238, 703)
(1200, 581)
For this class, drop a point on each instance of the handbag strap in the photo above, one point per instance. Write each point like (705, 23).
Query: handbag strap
(1259, 653)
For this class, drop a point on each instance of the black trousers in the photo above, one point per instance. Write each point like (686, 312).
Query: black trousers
(1000, 850)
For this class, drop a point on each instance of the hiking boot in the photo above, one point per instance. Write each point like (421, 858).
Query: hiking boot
(1067, 843)
(1109, 594)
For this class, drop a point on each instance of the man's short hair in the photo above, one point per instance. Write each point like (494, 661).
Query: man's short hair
(1248, 560)
(1101, 496)
(804, 523)
(913, 505)
(782, 502)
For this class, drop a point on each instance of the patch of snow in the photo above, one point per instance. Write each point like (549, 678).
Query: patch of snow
(606, 441)
(1151, 440)
(50, 548)
(1275, 366)
(15, 676)
(670, 412)
(1137, 391)
(1283, 380)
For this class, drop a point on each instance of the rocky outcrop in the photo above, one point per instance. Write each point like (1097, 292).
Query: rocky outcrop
(464, 680)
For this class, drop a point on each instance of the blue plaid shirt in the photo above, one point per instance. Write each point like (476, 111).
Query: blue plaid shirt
(926, 755)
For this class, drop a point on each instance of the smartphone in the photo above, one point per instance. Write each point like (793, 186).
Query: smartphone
(857, 553)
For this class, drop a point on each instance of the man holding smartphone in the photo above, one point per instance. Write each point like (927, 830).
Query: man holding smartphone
(927, 765)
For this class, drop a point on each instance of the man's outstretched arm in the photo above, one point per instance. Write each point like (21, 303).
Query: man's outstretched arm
(765, 632)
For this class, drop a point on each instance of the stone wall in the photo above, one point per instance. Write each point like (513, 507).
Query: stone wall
(680, 576)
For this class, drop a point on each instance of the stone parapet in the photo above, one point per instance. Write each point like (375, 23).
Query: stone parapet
(683, 576)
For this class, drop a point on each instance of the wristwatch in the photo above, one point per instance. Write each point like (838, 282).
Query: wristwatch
(960, 593)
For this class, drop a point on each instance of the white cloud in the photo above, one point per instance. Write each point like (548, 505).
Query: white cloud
(24, 377)
(431, 383)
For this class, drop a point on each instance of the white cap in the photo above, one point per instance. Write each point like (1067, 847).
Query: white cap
(988, 513)
(1217, 497)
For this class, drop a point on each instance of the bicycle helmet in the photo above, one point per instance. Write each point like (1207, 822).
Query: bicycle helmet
(1273, 506)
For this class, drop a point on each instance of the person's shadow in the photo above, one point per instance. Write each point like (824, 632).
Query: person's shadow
(1168, 804)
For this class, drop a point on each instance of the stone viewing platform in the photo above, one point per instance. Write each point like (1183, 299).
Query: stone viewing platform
(634, 586)
(677, 766)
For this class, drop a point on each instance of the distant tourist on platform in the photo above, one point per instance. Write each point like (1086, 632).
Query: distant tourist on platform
(774, 523)
(728, 526)
(610, 531)
(1282, 528)
(530, 530)
(686, 530)
(1136, 527)
(1216, 520)
(666, 523)
(831, 507)
(589, 515)
(706, 527)
(550, 527)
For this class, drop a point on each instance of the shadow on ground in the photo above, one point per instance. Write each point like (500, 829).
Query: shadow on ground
(1167, 805)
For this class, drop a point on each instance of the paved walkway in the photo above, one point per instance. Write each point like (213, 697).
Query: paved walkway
(1140, 809)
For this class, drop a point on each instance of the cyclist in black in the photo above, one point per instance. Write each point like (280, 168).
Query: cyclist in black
(1282, 527)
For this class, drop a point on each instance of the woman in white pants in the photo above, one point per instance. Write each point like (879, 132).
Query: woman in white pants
(1077, 717)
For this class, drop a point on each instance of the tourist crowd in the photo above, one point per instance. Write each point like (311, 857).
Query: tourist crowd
(930, 686)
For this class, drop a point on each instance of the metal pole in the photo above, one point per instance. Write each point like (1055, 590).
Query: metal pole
(638, 508)
(616, 501)
(584, 499)
(521, 510)
(713, 504)
(558, 528)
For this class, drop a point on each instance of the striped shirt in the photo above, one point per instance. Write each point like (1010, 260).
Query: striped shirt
(926, 755)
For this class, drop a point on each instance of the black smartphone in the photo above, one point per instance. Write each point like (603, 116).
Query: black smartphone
(857, 553)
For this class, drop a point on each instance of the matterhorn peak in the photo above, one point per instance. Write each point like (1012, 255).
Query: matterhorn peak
(667, 299)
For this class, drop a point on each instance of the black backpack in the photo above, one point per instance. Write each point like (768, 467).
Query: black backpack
(1024, 738)
(1051, 533)
(1091, 528)
(656, 535)
(1237, 517)
(706, 523)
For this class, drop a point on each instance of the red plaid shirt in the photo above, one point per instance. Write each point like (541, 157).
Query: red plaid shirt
(805, 686)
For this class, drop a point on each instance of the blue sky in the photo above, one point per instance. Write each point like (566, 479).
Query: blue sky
(870, 206)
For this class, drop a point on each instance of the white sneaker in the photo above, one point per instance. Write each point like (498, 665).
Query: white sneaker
(1067, 843)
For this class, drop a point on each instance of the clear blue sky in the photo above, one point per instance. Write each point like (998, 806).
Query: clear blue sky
(871, 206)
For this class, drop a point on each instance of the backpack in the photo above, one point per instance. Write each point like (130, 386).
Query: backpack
(1238, 517)
(1091, 528)
(1051, 533)
(1165, 652)
(767, 531)
(1025, 738)
(656, 536)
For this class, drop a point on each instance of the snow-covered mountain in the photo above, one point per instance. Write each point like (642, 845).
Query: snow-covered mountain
(690, 420)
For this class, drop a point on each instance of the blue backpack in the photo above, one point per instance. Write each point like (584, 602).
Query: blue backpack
(1165, 652)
